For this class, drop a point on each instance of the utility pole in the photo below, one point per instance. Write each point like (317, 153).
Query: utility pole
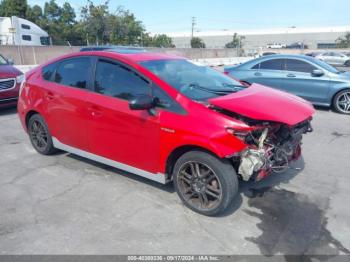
(193, 25)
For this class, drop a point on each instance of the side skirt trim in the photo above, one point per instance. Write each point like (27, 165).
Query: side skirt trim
(159, 177)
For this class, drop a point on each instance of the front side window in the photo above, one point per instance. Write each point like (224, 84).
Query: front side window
(116, 80)
(26, 37)
(74, 72)
(299, 66)
(273, 64)
(194, 81)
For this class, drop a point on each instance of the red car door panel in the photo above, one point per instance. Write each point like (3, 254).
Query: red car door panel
(123, 135)
(66, 102)
(116, 132)
(67, 115)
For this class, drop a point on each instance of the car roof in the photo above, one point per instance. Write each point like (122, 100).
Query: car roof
(126, 55)
(276, 56)
(112, 47)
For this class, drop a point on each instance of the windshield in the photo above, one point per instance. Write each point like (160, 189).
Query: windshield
(2, 60)
(195, 82)
(326, 66)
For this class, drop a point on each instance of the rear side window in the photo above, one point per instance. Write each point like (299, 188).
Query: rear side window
(48, 72)
(273, 64)
(116, 80)
(299, 66)
(74, 72)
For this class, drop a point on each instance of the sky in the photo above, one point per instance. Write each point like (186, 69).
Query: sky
(164, 16)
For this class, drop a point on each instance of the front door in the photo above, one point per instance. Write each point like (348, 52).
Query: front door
(129, 137)
(299, 80)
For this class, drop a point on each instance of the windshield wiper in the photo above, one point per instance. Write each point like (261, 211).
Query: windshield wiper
(232, 85)
(212, 91)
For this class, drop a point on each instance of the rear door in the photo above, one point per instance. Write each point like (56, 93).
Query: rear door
(66, 101)
(299, 80)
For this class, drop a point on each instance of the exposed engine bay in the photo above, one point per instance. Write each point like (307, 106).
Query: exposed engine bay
(271, 149)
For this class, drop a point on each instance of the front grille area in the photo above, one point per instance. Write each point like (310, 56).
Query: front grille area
(7, 84)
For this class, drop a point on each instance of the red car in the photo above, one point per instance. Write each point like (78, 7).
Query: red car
(10, 81)
(163, 118)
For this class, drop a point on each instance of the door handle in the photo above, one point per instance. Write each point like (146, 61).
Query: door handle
(290, 75)
(50, 96)
(95, 111)
(258, 74)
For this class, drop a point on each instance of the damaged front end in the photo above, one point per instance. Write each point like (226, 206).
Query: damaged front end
(271, 148)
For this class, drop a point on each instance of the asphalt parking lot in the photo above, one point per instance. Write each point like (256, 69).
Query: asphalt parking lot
(64, 204)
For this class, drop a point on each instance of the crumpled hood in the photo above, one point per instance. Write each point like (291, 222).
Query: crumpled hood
(263, 103)
(8, 71)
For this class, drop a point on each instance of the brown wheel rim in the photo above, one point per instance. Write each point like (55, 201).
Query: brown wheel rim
(38, 135)
(199, 186)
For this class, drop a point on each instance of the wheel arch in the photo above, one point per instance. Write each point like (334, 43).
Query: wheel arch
(337, 92)
(178, 152)
(29, 114)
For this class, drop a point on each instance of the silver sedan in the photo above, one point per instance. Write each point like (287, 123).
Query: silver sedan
(334, 58)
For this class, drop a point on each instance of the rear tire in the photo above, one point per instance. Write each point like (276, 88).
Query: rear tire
(205, 183)
(341, 102)
(40, 136)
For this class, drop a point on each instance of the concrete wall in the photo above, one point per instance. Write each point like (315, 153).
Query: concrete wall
(28, 55)
(257, 41)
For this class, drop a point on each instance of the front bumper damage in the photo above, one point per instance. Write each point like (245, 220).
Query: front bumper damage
(271, 148)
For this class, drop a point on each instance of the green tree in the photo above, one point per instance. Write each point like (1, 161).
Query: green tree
(95, 21)
(162, 41)
(237, 41)
(197, 42)
(59, 22)
(35, 14)
(344, 42)
(13, 8)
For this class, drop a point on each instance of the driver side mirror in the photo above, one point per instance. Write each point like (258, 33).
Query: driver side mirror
(141, 102)
(317, 73)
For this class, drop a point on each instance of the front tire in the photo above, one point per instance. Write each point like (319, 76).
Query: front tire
(341, 102)
(40, 136)
(205, 183)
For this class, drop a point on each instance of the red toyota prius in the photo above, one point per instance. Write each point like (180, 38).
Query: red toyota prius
(164, 118)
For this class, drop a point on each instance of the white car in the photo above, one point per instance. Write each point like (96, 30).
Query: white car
(276, 46)
(334, 58)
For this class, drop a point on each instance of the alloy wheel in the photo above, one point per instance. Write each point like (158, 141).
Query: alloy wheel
(38, 135)
(343, 102)
(199, 186)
